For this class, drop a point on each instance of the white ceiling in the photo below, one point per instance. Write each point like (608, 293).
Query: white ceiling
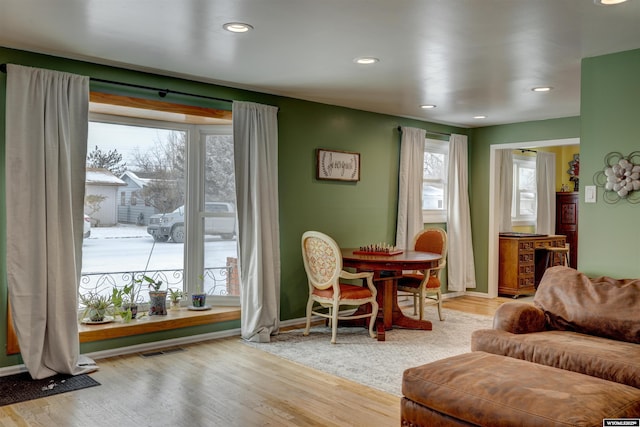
(468, 57)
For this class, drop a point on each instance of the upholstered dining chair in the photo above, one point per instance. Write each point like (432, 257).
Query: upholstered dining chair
(323, 264)
(425, 286)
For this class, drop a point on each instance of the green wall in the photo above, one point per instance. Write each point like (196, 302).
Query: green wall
(353, 213)
(609, 234)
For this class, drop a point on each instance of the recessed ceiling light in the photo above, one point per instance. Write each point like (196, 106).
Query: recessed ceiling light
(480, 117)
(608, 2)
(542, 89)
(237, 27)
(427, 106)
(366, 60)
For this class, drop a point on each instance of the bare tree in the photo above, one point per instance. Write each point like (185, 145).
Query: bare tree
(164, 164)
(219, 169)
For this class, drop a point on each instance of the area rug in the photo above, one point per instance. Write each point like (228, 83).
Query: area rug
(380, 365)
(20, 387)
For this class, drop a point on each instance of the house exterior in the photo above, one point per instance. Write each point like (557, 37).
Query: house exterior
(132, 208)
(101, 196)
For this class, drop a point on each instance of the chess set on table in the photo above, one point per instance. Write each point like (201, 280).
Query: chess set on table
(378, 249)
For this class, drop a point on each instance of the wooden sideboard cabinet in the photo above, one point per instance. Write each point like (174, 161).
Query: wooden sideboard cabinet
(522, 261)
(567, 223)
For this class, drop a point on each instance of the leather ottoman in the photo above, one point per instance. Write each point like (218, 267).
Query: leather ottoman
(485, 389)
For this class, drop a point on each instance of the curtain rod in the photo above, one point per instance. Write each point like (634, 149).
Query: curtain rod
(429, 132)
(525, 150)
(161, 92)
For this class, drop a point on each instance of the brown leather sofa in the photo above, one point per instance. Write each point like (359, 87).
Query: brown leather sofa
(571, 359)
(590, 326)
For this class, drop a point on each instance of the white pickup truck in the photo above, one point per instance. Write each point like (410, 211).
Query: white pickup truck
(171, 225)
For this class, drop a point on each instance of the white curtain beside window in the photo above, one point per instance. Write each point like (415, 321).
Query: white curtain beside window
(505, 188)
(255, 136)
(409, 221)
(46, 144)
(546, 193)
(461, 273)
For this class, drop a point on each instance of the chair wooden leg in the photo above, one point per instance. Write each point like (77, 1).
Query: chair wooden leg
(309, 308)
(415, 303)
(421, 305)
(334, 324)
(372, 320)
(439, 295)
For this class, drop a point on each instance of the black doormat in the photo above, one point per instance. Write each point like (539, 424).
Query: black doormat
(20, 387)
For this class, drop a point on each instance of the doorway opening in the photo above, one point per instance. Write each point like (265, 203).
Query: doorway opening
(494, 206)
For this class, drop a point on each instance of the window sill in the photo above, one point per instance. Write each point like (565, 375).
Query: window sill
(430, 217)
(175, 319)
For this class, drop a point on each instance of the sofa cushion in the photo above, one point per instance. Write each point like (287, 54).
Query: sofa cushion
(611, 360)
(603, 306)
(490, 390)
(519, 318)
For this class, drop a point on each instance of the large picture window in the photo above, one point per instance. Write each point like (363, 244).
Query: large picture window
(163, 204)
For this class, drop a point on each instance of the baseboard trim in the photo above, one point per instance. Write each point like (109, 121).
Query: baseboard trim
(477, 294)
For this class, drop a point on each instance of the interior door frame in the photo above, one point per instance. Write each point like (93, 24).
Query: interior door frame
(492, 278)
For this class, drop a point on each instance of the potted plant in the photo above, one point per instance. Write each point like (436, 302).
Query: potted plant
(124, 302)
(175, 295)
(96, 307)
(199, 298)
(157, 297)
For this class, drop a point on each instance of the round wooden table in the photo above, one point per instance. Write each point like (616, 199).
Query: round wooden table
(387, 269)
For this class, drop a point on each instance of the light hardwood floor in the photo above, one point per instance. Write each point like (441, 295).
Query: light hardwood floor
(219, 383)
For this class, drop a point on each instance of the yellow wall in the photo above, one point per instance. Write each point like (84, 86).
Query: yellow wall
(564, 155)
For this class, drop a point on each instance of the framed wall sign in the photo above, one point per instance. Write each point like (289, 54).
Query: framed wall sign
(337, 165)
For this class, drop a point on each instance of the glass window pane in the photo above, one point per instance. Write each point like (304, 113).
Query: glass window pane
(220, 219)
(134, 192)
(527, 179)
(434, 164)
(524, 190)
(527, 203)
(433, 196)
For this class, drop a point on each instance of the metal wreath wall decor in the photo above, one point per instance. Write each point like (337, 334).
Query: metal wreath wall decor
(620, 177)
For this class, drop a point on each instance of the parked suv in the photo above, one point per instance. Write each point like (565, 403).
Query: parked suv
(171, 225)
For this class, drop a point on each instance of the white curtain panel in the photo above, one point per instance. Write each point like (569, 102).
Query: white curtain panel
(255, 136)
(505, 189)
(46, 144)
(546, 189)
(461, 273)
(410, 186)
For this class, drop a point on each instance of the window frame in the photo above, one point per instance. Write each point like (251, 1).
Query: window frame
(516, 219)
(195, 212)
(193, 253)
(430, 216)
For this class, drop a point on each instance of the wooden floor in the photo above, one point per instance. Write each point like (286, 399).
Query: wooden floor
(219, 383)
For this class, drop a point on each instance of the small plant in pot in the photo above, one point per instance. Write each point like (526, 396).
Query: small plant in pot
(199, 298)
(124, 302)
(157, 297)
(175, 295)
(96, 307)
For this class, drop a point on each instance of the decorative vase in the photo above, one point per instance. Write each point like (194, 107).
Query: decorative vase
(157, 303)
(198, 300)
